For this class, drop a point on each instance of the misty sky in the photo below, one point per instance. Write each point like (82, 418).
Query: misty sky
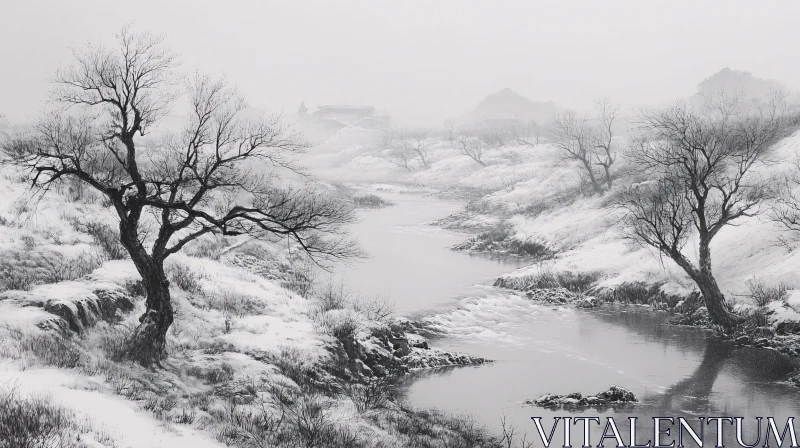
(422, 61)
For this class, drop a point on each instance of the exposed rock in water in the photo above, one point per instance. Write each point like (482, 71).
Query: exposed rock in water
(505, 246)
(429, 358)
(393, 350)
(614, 395)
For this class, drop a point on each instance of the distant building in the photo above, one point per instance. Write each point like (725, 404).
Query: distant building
(344, 114)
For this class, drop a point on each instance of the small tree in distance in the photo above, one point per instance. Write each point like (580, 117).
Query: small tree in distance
(219, 175)
(589, 141)
(408, 148)
(527, 133)
(471, 145)
(701, 165)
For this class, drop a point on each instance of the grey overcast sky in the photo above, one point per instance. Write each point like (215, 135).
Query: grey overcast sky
(421, 60)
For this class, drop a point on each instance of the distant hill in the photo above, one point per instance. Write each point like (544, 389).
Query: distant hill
(508, 102)
(734, 81)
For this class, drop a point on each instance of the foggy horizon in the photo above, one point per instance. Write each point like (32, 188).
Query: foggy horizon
(399, 223)
(422, 63)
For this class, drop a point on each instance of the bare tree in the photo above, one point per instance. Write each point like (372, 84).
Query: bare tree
(786, 209)
(388, 140)
(450, 131)
(589, 141)
(702, 169)
(574, 137)
(605, 154)
(495, 134)
(415, 141)
(220, 175)
(528, 133)
(471, 146)
(408, 148)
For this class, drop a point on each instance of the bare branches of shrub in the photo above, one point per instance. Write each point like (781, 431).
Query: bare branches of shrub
(284, 417)
(508, 437)
(375, 393)
(35, 422)
(107, 238)
(763, 294)
(302, 275)
(377, 309)
(23, 270)
(40, 347)
(182, 276)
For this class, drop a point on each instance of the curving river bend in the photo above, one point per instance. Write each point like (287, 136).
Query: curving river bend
(673, 371)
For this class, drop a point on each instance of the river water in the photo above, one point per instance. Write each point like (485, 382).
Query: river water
(673, 371)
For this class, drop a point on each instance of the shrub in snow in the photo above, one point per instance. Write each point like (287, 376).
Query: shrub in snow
(182, 276)
(343, 324)
(302, 275)
(107, 239)
(35, 422)
(370, 201)
(375, 393)
(40, 347)
(763, 294)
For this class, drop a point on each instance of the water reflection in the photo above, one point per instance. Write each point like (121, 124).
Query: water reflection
(674, 371)
(697, 386)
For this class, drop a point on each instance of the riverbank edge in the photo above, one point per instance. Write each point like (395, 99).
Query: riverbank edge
(80, 337)
(684, 310)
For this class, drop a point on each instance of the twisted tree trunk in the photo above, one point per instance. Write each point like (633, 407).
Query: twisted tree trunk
(147, 346)
(592, 179)
(718, 309)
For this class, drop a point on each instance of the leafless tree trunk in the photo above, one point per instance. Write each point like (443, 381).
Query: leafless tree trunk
(590, 142)
(407, 147)
(495, 134)
(573, 136)
(450, 131)
(415, 141)
(186, 184)
(605, 155)
(471, 146)
(701, 165)
(389, 141)
(527, 133)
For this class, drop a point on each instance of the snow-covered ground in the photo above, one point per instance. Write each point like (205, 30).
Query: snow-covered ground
(538, 193)
(248, 344)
